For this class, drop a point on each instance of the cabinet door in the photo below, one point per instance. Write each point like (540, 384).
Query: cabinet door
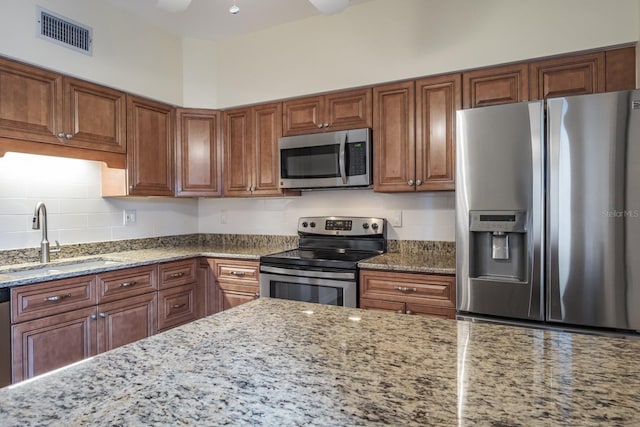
(94, 116)
(125, 321)
(303, 115)
(267, 128)
(149, 147)
(198, 153)
(496, 85)
(381, 305)
(238, 152)
(620, 68)
(437, 100)
(570, 75)
(30, 103)
(348, 110)
(176, 306)
(232, 299)
(394, 137)
(42, 345)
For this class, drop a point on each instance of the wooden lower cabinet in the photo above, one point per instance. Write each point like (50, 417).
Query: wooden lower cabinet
(42, 345)
(236, 281)
(177, 306)
(125, 321)
(408, 293)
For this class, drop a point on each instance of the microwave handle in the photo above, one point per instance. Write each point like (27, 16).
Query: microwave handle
(342, 161)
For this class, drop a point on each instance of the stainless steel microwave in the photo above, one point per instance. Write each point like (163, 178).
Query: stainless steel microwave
(326, 160)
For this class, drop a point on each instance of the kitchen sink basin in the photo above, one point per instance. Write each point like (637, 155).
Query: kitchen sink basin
(59, 267)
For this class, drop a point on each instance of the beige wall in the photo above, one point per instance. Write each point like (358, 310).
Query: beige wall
(128, 53)
(386, 40)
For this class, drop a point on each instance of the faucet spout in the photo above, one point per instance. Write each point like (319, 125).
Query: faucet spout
(45, 251)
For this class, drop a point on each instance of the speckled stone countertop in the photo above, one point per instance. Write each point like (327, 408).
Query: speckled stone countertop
(282, 363)
(35, 272)
(416, 256)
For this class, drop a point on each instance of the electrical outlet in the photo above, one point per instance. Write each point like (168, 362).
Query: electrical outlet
(129, 217)
(395, 219)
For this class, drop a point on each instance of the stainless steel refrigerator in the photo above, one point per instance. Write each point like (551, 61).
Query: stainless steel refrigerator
(548, 211)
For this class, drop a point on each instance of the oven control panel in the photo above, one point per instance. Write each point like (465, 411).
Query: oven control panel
(341, 226)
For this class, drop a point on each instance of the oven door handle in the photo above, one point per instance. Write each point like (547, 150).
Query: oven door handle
(342, 161)
(308, 273)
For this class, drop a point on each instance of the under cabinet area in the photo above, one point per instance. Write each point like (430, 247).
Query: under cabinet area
(408, 293)
(237, 281)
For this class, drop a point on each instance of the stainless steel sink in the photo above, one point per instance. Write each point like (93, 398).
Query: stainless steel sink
(58, 267)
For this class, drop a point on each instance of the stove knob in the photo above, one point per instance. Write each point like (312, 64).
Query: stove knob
(374, 226)
(313, 224)
(365, 226)
(305, 224)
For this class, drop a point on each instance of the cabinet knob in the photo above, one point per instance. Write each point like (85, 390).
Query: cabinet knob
(257, 294)
(68, 135)
(409, 312)
(320, 126)
(326, 125)
(410, 182)
(399, 312)
(418, 182)
(103, 315)
(60, 134)
(94, 317)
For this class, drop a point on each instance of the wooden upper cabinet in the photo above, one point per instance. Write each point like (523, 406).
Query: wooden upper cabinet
(394, 137)
(150, 147)
(30, 103)
(437, 100)
(94, 116)
(495, 85)
(198, 153)
(568, 75)
(267, 128)
(336, 111)
(251, 150)
(620, 67)
(40, 106)
(238, 152)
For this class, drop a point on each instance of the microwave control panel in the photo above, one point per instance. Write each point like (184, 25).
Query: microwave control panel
(357, 158)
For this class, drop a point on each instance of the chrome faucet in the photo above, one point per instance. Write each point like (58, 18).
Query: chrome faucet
(44, 244)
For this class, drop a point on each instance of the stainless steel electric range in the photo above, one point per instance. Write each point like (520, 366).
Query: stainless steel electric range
(324, 268)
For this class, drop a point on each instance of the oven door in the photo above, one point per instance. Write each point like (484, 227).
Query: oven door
(297, 285)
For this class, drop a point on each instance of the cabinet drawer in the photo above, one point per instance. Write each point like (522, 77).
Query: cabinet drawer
(49, 298)
(373, 304)
(239, 272)
(408, 287)
(430, 311)
(176, 306)
(177, 273)
(120, 284)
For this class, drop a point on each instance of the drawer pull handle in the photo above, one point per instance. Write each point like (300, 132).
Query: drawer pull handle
(54, 298)
(178, 305)
(237, 273)
(176, 275)
(405, 289)
(128, 284)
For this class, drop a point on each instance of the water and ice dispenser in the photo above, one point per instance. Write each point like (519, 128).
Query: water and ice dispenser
(498, 242)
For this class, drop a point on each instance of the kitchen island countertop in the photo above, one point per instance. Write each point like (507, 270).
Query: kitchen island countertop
(277, 362)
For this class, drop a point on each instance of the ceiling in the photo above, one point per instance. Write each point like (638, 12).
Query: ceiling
(211, 20)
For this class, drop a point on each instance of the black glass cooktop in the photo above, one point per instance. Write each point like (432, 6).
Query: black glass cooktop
(333, 258)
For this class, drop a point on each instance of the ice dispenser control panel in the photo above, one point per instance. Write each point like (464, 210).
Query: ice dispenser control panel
(498, 221)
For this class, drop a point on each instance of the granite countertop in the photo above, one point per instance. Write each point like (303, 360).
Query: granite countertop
(277, 362)
(426, 262)
(35, 272)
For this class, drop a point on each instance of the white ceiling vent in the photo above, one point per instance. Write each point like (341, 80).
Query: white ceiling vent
(63, 31)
